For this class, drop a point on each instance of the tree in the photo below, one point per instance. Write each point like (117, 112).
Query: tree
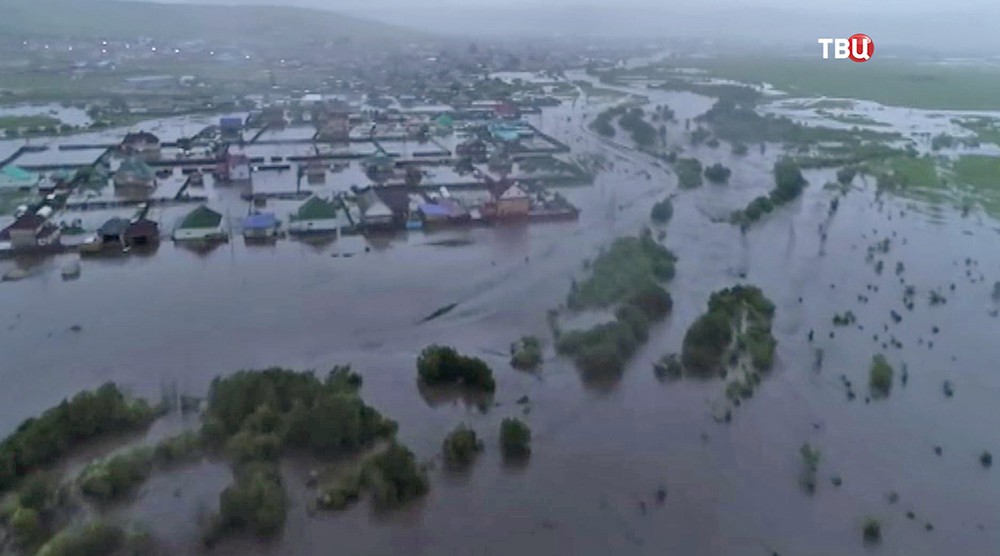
(460, 447)
(394, 476)
(880, 376)
(717, 173)
(515, 438)
(662, 211)
(705, 342)
(443, 365)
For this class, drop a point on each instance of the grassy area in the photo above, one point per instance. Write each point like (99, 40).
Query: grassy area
(851, 119)
(987, 130)
(23, 122)
(888, 81)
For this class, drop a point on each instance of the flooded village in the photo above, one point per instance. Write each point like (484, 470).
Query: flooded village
(351, 169)
(474, 296)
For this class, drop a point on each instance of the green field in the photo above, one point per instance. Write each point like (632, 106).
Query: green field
(987, 130)
(888, 81)
(33, 121)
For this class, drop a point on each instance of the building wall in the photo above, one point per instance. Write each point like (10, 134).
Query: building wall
(182, 234)
(519, 206)
(20, 239)
(240, 172)
(324, 225)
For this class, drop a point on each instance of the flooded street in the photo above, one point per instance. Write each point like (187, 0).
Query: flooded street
(599, 452)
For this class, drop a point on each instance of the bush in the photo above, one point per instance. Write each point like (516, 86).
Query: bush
(717, 173)
(35, 492)
(739, 149)
(182, 447)
(110, 479)
(662, 211)
(88, 415)
(26, 527)
(515, 439)
(341, 493)
(438, 365)
(705, 342)
(810, 466)
(94, 539)
(394, 477)
(880, 376)
(460, 447)
(255, 500)
(846, 174)
(526, 353)
(871, 532)
(688, 172)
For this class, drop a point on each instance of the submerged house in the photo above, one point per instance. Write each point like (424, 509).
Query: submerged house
(509, 200)
(141, 143)
(137, 231)
(202, 223)
(14, 178)
(234, 168)
(261, 225)
(316, 215)
(473, 148)
(30, 231)
(231, 127)
(135, 174)
(374, 212)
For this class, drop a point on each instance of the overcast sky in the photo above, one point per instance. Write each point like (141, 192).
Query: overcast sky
(957, 24)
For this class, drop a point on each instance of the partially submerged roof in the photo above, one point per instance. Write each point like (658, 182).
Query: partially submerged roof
(260, 221)
(315, 208)
(113, 227)
(201, 217)
(135, 167)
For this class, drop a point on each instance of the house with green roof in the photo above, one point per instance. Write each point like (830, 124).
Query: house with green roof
(134, 173)
(316, 215)
(14, 178)
(200, 224)
(444, 124)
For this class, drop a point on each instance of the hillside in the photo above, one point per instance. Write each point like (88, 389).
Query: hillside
(110, 19)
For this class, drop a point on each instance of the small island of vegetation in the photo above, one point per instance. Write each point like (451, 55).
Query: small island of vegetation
(460, 447)
(740, 311)
(515, 439)
(443, 365)
(789, 183)
(628, 275)
(880, 377)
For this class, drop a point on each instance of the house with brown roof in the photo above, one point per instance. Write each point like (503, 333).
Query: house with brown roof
(30, 231)
(141, 143)
(510, 200)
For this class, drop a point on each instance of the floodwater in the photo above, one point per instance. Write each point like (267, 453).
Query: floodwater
(600, 451)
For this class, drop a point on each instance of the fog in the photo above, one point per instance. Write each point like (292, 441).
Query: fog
(968, 26)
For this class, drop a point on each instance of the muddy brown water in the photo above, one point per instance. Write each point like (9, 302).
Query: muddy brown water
(600, 452)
